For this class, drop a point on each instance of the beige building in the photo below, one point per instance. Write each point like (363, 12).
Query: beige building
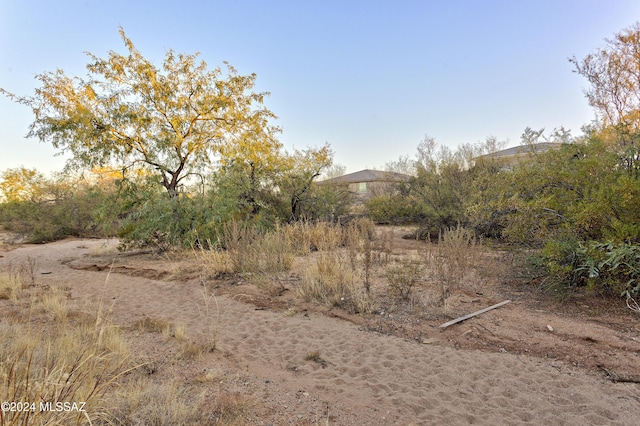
(511, 156)
(367, 183)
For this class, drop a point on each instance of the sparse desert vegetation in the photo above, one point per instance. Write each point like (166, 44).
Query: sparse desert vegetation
(56, 351)
(235, 289)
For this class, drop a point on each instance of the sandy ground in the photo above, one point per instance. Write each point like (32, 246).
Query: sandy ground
(504, 367)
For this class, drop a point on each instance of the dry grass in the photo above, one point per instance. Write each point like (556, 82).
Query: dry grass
(403, 276)
(54, 304)
(210, 313)
(307, 237)
(332, 281)
(52, 351)
(247, 251)
(215, 263)
(343, 277)
(71, 363)
(152, 325)
(452, 261)
(10, 286)
(230, 409)
(167, 403)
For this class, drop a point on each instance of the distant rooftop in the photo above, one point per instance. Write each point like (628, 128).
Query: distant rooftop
(366, 176)
(522, 150)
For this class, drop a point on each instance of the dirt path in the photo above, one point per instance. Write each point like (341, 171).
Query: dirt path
(305, 367)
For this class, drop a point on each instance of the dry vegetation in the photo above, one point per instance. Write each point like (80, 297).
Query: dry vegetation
(354, 267)
(54, 351)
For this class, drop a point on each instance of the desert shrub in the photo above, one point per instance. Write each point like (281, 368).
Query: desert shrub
(453, 260)
(72, 214)
(47, 209)
(393, 209)
(403, 276)
(614, 267)
(162, 222)
(602, 267)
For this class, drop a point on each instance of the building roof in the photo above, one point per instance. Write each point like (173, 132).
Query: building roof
(522, 150)
(366, 176)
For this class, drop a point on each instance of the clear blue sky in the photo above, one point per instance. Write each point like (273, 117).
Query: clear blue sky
(369, 77)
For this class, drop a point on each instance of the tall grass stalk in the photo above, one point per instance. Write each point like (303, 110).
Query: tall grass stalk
(452, 260)
(53, 363)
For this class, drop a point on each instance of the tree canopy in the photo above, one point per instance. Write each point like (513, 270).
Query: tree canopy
(173, 119)
(613, 72)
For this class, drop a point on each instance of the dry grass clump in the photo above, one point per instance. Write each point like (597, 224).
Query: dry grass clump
(49, 363)
(54, 304)
(452, 261)
(252, 251)
(307, 237)
(152, 325)
(231, 409)
(10, 286)
(52, 352)
(333, 282)
(191, 350)
(263, 256)
(343, 278)
(168, 403)
(215, 263)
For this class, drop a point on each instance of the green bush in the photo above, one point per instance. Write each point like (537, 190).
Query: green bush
(393, 209)
(601, 267)
(161, 222)
(40, 221)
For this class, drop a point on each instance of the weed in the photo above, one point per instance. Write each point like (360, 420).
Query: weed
(167, 403)
(71, 363)
(403, 276)
(212, 320)
(332, 282)
(452, 260)
(152, 325)
(10, 286)
(313, 356)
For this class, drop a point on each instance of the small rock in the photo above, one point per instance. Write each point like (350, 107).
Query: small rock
(549, 328)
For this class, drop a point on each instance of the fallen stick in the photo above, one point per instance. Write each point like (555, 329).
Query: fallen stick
(481, 311)
(618, 379)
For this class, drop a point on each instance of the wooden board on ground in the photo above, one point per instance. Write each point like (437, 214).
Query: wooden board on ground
(481, 311)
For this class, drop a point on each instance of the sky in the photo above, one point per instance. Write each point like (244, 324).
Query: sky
(371, 78)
